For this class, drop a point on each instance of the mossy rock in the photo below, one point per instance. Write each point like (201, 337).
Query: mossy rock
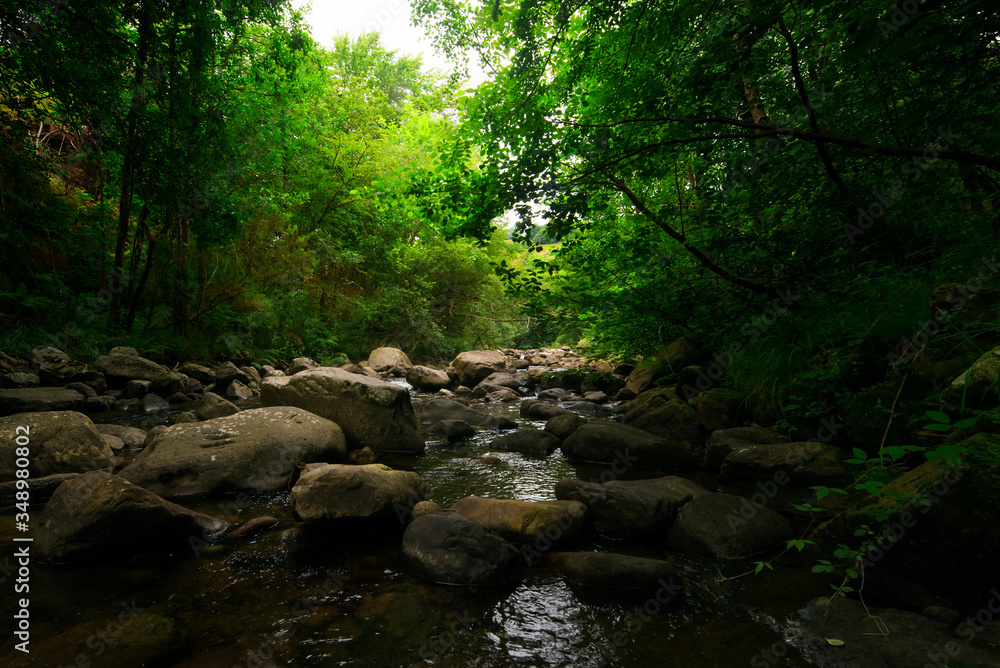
(949, 538)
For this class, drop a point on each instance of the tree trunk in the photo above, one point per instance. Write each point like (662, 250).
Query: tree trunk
(131, 159)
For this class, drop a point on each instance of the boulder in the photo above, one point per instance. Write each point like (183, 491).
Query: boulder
(124, 364)
(137, 389)
(429, 380)
(99, 404)
(383, 359)
(525, 521)
(130, 638)
(666, 362)
(18, 380)
(153, 402)
(609, 442)
(620, 571)
(371, 412)
(720, 408)
(939, 521)
(563, 426)
(889, 638)
(596, 396)
(588, 408)
(724, 441)
(212, 406)
(628, 507)
(470, 367)
(300, 364)
(251, 373)
(452, 431)
(674, 420)
(58, 442)
(352, 492)
(502, 395)
(555, 394)
(35, 399)
(424, 508)
(237, 391)
(253, 451)
(442, 408)
(530, 441)
(727, 527)
(82, 388)
(977, 387)
(42, 489)
(97, 515)
(534, 409)
(53, 365)
(201, 373)
(229, 372)
(90, 377)
(805, 464)
(169, 383)
(567, 379)
(447, 548)
(154, 434)
(508, 380)
(649, 401)
(116, 444)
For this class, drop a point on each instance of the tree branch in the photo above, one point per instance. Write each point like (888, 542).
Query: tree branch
(704, 259)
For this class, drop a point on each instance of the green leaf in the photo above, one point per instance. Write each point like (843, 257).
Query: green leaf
(835, 642)
(966, 423)
(821, 491)
(860, 454)
(938, 416)
(937, 427)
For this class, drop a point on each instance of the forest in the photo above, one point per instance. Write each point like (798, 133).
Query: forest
(753, 244)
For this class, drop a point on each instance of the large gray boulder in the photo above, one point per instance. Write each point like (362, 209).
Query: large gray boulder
(449, 549)
(344, 491)
(38, 399)
(530, 442)
(470, 367)
(253, 451)
(627, 507)
(727, 527)
(124, 364)
(609, 442)
(58, 442)
(97, 515)
(427, 379)
(525, 521)
(383, 359)
(371, 412)
(441, 408)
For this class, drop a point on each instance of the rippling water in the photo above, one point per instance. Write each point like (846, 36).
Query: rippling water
(312, 597)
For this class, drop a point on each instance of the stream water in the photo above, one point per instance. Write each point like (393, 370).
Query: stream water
(312, 597)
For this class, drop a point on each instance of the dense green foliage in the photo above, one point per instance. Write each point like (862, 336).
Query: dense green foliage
(711, 157)
(202, 179)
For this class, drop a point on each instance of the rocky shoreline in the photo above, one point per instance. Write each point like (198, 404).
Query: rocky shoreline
(320, 432)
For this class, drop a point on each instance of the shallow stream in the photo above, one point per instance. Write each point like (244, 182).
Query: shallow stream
(315, 598)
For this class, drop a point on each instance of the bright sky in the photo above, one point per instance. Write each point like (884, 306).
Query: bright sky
(391, 18)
